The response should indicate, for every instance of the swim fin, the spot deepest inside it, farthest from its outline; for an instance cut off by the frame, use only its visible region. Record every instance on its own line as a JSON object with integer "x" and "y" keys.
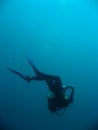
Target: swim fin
{"x": 37, "y": 72}
{"x": 26, "y": 78}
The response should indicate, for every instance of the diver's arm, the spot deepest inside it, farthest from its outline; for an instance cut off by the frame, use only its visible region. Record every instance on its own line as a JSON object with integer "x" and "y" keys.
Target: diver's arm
{"x": 70, "y": 98}
{"x": 71, "y": 95}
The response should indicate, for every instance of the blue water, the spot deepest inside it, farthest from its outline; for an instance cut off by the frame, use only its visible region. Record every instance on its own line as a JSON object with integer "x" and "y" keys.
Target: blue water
{"x": 61, "y": 38}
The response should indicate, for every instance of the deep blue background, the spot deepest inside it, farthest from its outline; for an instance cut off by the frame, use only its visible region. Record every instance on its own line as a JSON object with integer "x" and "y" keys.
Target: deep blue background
{"x": 61, "y": 38}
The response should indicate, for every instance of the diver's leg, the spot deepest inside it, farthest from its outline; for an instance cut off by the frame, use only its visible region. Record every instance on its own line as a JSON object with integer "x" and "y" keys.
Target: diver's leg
{"x": 50, "y": 79}
{"x": 43, "y": 76}
{"x": 38, "y": 73}
{"x": 54, "y": 82}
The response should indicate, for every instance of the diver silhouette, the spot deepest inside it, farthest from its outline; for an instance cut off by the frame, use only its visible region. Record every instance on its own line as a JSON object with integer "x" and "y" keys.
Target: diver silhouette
{"x": 57, "y": 97}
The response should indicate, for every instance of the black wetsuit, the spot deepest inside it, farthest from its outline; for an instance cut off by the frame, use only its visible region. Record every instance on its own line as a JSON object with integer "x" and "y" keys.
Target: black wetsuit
{"x": 55, "y": 85}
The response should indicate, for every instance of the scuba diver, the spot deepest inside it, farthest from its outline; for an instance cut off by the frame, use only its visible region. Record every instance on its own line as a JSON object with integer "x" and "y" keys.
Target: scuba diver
{"x": 57, "y": 97}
